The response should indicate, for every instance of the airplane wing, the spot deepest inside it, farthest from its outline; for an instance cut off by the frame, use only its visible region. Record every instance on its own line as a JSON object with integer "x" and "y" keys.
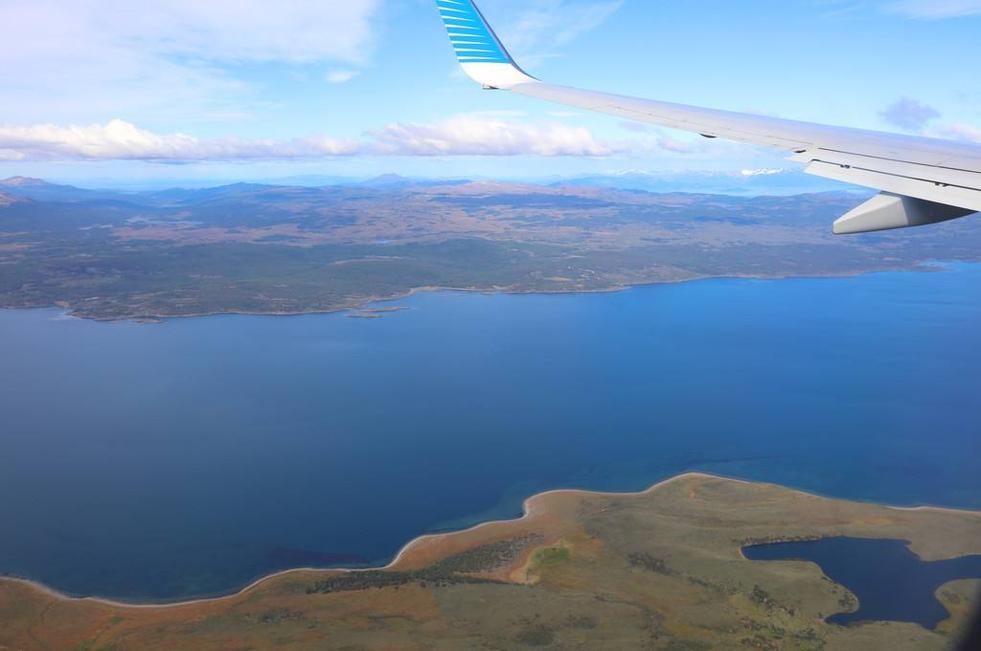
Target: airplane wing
{"x": 922, "y": 180}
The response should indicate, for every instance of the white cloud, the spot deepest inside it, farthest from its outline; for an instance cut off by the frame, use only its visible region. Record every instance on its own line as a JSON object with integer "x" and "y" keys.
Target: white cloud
{"x": 558, "y": 22}
{"x": 119, "y": 140}
{"x": 485, "y": 136}
{"x": 909, "y": 114}
{"x": 539, "y": 27}
{"x": 341, "y": 76}
{"x": 464, "y": 135}
{"x": 960, "y": 132}
{"x": 83, "y": 59}
{"x": 489, "y": 133}
{"x": 936, "y": 9}
{"x": 674, "y": 145}
{"x": 224, "y": 30}
{"x": 763, "y": 171}
{"x": 636, "y": 127}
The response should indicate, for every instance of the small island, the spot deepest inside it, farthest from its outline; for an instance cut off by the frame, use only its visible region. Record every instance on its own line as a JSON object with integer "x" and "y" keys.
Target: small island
{"x": 661, "y": 569}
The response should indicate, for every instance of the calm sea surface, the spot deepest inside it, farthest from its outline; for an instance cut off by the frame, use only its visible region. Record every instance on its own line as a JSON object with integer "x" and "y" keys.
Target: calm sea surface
{"x": 188, "y": 458}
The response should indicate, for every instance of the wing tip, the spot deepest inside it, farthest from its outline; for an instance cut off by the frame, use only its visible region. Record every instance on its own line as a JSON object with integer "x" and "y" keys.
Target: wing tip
{"x": 478, "y": 49}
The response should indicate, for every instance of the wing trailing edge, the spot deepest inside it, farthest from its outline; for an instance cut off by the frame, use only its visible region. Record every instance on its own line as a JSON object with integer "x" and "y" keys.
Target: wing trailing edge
{"x": 923, "y": 180}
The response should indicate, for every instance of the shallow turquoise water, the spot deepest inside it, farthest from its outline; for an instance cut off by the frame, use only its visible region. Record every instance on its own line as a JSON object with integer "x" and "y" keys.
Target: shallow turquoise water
{"x": 187, "y": 458}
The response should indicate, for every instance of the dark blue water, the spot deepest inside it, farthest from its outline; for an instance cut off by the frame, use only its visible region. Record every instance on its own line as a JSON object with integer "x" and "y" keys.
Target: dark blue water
{"x": 187, "y": 458}
{"x": 890, "y": 581}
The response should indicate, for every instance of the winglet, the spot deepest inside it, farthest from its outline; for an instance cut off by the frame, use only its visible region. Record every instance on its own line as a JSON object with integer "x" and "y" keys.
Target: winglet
{"x": 481, "y": 54}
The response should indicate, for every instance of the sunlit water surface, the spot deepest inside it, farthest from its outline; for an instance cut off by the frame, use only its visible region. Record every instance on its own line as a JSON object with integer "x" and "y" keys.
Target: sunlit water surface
{"x": 190, "y": 457}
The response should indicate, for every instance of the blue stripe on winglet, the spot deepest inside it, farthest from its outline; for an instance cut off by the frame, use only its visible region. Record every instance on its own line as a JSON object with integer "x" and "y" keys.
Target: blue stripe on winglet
{"x": 471, "y": 36}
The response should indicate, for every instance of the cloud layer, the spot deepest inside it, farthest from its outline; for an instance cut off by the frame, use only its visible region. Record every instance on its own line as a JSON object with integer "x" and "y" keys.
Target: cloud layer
{"x": 476, "y": 134}
{"x": 463, "y": 135}
{"x": 483, "y": 136}
{"x": 222, "y": 30}
{"x": 549, "y": 23}
{"x": 537, "y": 29}
{"x": 86, "y": 59}
{"x": 119, "y": 140}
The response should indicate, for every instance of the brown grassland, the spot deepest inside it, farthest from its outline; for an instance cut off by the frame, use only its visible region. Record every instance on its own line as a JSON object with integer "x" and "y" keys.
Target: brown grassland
{"x": 662, "y": 569}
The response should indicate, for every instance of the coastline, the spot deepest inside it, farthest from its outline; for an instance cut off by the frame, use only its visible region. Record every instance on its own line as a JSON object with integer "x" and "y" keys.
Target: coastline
{"x": 532, "y": 509}
{"x": 929, "y": 266}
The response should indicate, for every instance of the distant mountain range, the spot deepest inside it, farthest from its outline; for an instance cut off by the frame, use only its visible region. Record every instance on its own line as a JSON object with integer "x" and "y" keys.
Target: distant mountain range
{"x": 743, "y": 184}
{"x": 773, "y": 182}
{"x": 39, "y": 190}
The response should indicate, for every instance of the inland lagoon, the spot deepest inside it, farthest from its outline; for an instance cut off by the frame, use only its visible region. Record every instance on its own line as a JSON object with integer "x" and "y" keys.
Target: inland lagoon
{"x": 890, "y": 581}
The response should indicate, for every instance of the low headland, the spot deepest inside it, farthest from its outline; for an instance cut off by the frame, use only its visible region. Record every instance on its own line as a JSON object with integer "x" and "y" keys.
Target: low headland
{"x": 660, "y": 569}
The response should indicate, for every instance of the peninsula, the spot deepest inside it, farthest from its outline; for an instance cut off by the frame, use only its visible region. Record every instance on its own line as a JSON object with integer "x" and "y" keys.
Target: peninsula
{"x": 662, "y": 569}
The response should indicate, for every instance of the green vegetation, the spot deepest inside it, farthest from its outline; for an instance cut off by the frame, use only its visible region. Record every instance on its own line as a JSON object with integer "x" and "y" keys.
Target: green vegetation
{"x": 582, "y": 621}
{"x": 550, "y": 557}
{"x": 647, "y": 562}
{"x": 378, "y": 579}
{"x": 762, "y": 598}
{"x": 485, "y": 558}
{"x": 687, "y": 645}
{"x": 536, "y": 635}
{"x": 452, "y": 570}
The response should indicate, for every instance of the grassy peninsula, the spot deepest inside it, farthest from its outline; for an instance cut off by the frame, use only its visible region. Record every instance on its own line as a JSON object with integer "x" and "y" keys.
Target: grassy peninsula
{"x": 662, "y": 569}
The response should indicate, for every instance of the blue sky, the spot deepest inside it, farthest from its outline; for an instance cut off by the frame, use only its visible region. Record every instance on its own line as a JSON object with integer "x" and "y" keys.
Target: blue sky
{"x": 248, "y": 89}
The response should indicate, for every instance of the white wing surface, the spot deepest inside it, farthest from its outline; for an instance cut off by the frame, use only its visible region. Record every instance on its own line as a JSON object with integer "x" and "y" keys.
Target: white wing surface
{"x": 922, "y": 180}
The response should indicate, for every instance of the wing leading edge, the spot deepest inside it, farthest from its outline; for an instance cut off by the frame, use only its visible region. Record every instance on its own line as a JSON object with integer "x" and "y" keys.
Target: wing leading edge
{"x": 922, "y": 180}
